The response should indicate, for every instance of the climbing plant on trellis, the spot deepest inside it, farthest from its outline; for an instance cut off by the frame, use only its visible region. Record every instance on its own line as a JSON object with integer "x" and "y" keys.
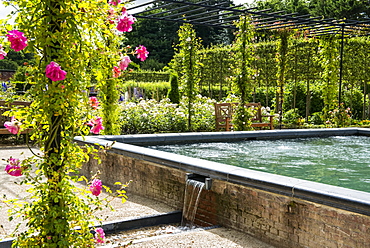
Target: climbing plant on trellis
{"x": 282, "y": 64}
{"x": 305, "y": 65}
{"x": 243, "y": 54}
{"x": 68, "y": 38}
{"x": 330, "y": 64}
{"x": 188, "y": 66}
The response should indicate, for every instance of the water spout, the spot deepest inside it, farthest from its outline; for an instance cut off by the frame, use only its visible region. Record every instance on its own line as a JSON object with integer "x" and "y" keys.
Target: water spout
{"x": 208, "y": 183}
{"x": 193, "y": 190}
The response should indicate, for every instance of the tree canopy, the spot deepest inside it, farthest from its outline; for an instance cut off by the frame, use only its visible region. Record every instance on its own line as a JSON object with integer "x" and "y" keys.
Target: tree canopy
{"x": 337, "y": 9}
{"x": 160, "y": 36}
{"x": 15, "y": 59}
{"x": 289, "y": 6}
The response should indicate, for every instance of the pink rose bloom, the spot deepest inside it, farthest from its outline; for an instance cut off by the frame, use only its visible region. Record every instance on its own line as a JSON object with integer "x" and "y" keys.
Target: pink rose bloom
{"x": 99, "y": 235}
{"x": 97, "y": 125}
{"x": 2, "y": 53}
{"x": 116, "y": 71}
{"x": 96, "y": 187}
{"x": 141, "y": 52}
{"x": 13, "y": 168}
{"x": 13, "y": 125}
{"x": 93, "y": 101}
{"x": 54, "y": 72}
{"x": 111, "y": 12}
{"x": 125, "y": 61}
{"x": 17, "y": 40}
{"x": 125, "y": 22}
{"x": 115, "y": 2}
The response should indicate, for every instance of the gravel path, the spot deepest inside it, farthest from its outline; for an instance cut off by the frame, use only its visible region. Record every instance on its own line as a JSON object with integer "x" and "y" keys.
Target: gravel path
{"x": 218, "y": 238}
{"x": 134, "y": 207}
{"x": 176, "y": 237}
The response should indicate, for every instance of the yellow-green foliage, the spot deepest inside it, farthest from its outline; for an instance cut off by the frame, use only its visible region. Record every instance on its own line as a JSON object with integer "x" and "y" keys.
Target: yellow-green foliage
{"x": 77, "y": 36}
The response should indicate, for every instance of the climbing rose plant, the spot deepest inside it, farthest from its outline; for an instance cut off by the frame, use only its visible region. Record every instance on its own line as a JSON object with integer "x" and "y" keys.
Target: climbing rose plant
{"x": 54, "y": 72}
{"x": 17, "y": 40}
{"x": 125, "y": 22}
{"x": 125, "y": 61}
{"x": 14, "y": 168}
{"x": 99, "y": 235}
{"x": 2, "y": 53}
{"x": 96, "y": 187}
{"x": 74, "y": 42}
{"x": 141, "y": 52}
{"x": 96, "y": 125}
{"x": 13, "y": 126}
{"x": 115, "y": 2}
{"x": 94, "y": 102}
{"x": 108, "y": 83}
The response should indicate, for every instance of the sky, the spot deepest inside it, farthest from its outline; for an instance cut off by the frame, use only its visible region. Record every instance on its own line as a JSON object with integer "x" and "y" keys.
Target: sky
{"x": 6, "y": 10}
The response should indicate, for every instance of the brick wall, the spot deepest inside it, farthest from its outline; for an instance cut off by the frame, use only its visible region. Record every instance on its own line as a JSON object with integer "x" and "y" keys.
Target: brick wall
{"x": 6, "y": 75}
{"x": 150, "y": 180}
{"x": 287, "y": 222}
{"x": 276, "y": 219}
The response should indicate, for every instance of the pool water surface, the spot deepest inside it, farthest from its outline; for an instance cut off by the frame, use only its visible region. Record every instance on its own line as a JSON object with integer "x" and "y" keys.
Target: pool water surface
{"x": 338, "y": 160}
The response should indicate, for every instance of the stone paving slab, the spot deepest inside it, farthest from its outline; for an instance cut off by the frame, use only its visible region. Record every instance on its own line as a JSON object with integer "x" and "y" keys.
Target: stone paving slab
{"x": 134, "y": 207}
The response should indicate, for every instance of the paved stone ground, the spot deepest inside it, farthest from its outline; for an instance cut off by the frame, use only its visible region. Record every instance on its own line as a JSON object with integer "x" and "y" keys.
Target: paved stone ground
{"x": 9, "y": 186}
{"x": 133, "y": 208}
{"x": 217, "y": 238}
{"x": 172, "y": 236}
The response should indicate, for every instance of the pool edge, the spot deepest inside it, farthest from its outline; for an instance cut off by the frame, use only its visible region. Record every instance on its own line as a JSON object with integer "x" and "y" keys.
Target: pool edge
{"x": 338, "y": 197}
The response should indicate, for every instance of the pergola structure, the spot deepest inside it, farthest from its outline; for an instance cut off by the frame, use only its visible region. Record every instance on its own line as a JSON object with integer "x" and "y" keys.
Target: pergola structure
{"x": 222, "y": 15}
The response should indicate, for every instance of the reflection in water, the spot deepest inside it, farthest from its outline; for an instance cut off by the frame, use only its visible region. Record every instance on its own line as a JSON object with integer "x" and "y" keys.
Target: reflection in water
{"x": 340, "y": 160}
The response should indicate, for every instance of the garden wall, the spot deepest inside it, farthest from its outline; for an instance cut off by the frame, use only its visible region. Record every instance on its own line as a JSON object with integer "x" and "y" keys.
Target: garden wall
{"x": 279, "y": 219}
{"x": 148, "y": 179}
{"x": 5, "y": 75}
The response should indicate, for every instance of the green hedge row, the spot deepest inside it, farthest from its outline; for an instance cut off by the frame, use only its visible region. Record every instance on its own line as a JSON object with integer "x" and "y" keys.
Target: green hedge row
{"x": 147, "y": 76}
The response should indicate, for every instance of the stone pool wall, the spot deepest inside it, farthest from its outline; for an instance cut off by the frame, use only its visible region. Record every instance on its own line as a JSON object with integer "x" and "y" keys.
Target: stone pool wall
{"x": 147, "y": 179}
{"x": 288, "y": 222}
{"x": 278, "y": 219}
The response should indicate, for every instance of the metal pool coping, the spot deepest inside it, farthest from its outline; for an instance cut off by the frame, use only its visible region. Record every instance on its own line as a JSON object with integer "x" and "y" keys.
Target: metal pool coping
{"x": 346, "y": 199}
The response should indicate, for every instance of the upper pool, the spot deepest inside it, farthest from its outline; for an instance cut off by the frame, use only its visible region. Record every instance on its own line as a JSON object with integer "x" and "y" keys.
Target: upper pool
{"x": 338, "y": 160}
{"x": 357, "y": 200}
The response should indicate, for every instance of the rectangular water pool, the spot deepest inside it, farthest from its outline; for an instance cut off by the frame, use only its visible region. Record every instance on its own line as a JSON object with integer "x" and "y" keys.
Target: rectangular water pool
{"x": 336, "y": 160}
{"x": 281, "y": 210}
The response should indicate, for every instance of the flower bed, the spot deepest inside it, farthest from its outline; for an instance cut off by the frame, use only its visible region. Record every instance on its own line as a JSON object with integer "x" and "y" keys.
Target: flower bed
{"x": 150, "y": 116}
